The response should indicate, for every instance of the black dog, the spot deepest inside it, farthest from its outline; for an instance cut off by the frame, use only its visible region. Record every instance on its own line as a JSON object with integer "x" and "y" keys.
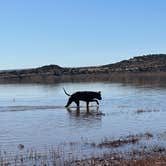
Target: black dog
{"x": 87, "y": 96}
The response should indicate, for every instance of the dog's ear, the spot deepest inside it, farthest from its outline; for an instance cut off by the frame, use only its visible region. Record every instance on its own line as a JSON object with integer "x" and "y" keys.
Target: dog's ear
{"x": 99, "y": 92}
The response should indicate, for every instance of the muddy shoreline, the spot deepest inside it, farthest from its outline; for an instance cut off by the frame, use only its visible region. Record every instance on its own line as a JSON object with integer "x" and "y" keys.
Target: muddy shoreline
{"x": 153, "y": 160}
{"x": 70, "y": 155}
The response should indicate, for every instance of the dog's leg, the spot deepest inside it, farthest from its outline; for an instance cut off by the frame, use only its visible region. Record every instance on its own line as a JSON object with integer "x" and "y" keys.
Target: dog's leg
{"x": 69, "y": 102}
{"x": 68, "y": 109}
{"x": 78, "y": 111}
{"x": 78, "y": 103}
{"x": 87, "y": 106}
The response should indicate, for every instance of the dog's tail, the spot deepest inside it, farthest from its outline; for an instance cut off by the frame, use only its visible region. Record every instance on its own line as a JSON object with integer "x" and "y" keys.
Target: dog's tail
{"x": 66, "y": 92}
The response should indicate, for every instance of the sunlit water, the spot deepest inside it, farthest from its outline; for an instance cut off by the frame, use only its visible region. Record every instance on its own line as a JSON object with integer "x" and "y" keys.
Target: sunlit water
{"x": 35, "y": 116}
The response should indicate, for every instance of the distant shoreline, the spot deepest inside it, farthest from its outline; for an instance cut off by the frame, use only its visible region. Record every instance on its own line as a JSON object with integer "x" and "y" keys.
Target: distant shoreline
{"x": 149, "y": 67}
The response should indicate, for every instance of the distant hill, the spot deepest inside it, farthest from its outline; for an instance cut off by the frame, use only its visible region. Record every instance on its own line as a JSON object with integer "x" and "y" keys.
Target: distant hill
{"x": 154, "y": 62}
{"x": 147, "y": 64}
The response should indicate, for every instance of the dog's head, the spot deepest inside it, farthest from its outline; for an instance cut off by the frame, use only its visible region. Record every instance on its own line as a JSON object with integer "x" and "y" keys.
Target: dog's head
{"x": 99, "y": 95}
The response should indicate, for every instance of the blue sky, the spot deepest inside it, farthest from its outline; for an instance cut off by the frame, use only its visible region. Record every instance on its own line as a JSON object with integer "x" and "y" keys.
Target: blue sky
{"x": 79, "y": 32}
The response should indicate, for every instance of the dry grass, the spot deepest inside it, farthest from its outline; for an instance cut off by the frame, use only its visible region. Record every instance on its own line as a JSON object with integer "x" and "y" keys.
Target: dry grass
{"x": 130, "y": 139}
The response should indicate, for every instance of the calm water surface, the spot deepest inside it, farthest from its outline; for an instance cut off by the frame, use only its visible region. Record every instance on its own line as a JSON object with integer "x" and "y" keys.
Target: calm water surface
{"x": 34, "y": 115}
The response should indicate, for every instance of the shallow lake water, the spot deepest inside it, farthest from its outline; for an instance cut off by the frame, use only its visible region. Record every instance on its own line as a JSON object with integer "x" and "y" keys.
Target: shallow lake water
{"x": 34, "y": 115}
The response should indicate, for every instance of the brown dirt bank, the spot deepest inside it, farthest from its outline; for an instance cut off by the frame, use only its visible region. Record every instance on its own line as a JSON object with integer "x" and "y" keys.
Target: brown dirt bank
{"x": 154, "y": 160}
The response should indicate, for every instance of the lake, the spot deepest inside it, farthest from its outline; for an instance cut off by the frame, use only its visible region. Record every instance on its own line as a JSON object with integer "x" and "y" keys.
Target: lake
{"x": 34, "y": 115}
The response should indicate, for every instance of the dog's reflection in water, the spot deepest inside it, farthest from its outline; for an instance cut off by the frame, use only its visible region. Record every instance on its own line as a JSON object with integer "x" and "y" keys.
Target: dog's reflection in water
{"x": 84, "y": 111}
{"x": 83, "y": 118}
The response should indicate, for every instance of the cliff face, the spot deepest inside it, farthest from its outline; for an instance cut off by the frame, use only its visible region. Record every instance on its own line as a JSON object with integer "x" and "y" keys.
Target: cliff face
{"x": 55, "y": 73}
